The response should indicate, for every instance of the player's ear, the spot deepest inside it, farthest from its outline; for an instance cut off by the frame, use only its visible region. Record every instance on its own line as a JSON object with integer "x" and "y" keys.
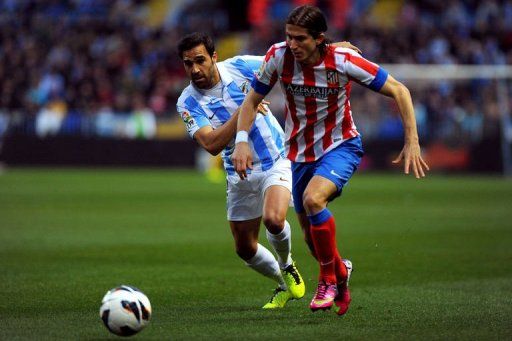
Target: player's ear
{"x": 320, "y": 39}
{"x": 214, "y": 56}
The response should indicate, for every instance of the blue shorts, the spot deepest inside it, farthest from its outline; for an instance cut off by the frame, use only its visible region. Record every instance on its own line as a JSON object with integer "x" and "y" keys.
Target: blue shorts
{"x": 338, "y": 165}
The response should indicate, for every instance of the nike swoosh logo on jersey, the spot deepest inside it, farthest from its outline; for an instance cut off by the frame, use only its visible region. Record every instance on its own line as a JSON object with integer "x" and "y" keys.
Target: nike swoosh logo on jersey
{"x": 283, "y": 179}
{"x": 336, "y": 174}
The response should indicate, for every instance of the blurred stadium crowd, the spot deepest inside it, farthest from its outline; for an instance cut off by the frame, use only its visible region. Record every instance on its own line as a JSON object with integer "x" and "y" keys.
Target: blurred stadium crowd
{"x": 109, "y": 68}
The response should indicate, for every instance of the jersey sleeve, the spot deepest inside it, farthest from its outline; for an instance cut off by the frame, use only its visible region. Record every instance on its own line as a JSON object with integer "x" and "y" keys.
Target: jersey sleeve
{"x": 192, "y": 115}
{"x": 267, "y": 74}
{"x": 253, "y": 63}
{"x": 247, "y": 66}
{"x": 362, "y": 70}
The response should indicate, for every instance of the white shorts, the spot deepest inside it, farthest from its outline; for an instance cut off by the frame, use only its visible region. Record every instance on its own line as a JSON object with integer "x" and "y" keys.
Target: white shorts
{"x": 245, "y": 197}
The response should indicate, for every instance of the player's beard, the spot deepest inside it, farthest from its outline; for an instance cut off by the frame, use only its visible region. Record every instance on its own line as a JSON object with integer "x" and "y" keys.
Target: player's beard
{"x": 207, "y": 80}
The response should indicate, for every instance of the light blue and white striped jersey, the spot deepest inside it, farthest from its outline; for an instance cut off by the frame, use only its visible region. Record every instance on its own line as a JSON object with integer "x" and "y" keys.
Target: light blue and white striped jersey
{"x": 266, "y": 138}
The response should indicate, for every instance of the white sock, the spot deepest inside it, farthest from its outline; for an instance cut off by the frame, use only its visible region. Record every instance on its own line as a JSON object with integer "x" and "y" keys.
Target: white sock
{"x": 265, "y": 263}
{"x": 282, "y": 244}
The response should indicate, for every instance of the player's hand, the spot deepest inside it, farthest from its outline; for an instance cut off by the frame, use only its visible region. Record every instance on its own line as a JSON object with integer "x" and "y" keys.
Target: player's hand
{"x": 242, "y": 159}
{"x": 411, "y": 154}
{"x": 263, "y": 108}
{"x": 348, "y": 45}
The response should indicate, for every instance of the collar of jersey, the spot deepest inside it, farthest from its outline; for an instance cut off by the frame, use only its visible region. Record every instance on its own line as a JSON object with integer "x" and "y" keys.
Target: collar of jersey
{"x": 224, "y": 74}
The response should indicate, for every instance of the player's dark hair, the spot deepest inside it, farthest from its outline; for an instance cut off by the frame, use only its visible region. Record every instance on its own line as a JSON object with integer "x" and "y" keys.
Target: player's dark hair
{"x": 195, "y": 39}
{"x": 312, "y": 19}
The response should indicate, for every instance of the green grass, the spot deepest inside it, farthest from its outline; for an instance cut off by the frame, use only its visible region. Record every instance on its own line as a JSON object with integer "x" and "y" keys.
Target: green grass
{"x": 433, "y": 258}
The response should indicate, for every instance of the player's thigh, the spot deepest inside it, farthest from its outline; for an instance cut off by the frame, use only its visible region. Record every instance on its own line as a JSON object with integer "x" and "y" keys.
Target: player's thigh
{"x": 301, "y": 175}
{"x": 275, "y": 206}
{"x": 339, "y": 165}
{"x": 277, "y": 187}
{"x": 319, "y": 191}
{"x": 277, "y": 199}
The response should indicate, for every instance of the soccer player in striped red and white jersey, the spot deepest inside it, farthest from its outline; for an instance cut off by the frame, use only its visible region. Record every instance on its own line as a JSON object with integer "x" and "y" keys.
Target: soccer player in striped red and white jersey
{"x": 321, "y": 138}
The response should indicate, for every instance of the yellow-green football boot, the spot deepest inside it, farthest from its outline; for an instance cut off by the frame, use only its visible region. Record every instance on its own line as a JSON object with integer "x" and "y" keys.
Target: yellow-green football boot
{"x": 278, "y": 299}
{"x": 294, "y": 281}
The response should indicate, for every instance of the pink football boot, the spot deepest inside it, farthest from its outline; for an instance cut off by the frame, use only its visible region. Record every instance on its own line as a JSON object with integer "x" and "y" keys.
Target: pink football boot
{"x": 324, "y": 296}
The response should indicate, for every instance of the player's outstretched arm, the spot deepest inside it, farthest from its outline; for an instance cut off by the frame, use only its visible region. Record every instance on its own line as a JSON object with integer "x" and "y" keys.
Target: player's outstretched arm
{"x": 411, "y": 152}
{"x": 242, "y": 157}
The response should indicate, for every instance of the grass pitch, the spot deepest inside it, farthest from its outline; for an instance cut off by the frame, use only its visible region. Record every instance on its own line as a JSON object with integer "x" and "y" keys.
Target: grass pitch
{"x": 432, "y": 258}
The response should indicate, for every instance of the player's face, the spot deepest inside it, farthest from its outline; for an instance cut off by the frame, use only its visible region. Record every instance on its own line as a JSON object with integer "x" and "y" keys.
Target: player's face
{"x": 304, "y": 47}
{"x": 200, "y": 67}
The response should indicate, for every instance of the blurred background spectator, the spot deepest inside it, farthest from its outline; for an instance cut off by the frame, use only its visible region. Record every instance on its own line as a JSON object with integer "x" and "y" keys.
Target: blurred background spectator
{"x": 108, "y": 68}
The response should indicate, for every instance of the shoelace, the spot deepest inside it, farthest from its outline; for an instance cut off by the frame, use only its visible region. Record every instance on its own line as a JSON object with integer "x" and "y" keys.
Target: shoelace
{"x": 276, "y": 292}
{"x": 321, "y": 290}
{"x": 293, "y": 271}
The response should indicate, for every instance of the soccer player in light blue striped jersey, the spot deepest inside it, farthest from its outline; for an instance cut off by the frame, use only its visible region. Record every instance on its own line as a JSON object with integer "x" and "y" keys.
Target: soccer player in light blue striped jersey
{"x": 209, "y": 108}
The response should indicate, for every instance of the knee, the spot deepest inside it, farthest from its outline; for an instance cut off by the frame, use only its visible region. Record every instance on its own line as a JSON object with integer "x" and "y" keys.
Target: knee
{"x": 274, "y": 222}
{"x": 313, "y": 201}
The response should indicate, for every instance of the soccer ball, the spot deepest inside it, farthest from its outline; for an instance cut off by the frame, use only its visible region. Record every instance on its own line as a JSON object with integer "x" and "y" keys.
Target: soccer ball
{"x": 125, "y": 310}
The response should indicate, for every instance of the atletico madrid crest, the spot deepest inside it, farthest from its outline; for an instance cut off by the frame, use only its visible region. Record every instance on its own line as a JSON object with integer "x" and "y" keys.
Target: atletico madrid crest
{"x": 332, "y": 77}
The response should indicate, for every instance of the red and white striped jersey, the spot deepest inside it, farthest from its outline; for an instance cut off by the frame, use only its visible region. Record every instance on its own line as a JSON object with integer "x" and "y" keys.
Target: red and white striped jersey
{"x": 318, "y": 115}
